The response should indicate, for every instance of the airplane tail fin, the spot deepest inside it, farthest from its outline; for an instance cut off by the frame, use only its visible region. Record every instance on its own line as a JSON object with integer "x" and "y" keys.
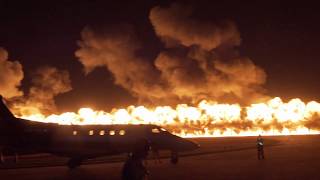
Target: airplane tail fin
{"x": 10, "y": 128}
{"x": 5, "y": 113}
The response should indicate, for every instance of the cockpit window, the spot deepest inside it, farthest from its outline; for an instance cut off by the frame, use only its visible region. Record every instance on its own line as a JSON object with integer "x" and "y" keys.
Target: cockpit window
{"x": 155, "y": 130}
{"x": 163, "y": 129}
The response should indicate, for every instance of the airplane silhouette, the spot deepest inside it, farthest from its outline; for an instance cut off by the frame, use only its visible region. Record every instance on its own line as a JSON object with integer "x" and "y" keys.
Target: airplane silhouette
{"x": 81, "y": 142}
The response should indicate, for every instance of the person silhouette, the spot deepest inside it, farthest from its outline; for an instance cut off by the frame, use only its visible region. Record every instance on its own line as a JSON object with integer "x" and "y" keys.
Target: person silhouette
{"x": 260, "y": 144}
{"x": 134, "y": 168}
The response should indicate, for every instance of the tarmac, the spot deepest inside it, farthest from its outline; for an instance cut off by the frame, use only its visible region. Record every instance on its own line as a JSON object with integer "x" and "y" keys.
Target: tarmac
{"x": 287, "y": 157}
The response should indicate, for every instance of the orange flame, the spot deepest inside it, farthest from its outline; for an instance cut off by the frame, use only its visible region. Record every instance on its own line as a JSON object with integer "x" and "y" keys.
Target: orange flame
{"x": 208, "y": 119}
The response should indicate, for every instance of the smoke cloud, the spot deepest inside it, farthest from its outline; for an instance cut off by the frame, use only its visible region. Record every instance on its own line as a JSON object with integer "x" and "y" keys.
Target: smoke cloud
{"x": 11, "y": 74}
{"x": 47, "y": 82}
{"x": 199, "y": 60}
{"x": 116, "y": 50}
{"x": 175, "y": 26}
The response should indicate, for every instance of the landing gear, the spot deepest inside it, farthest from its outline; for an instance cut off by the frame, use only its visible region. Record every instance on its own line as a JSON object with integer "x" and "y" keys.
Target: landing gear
{"x": 174, "y": 157}
{"x": 16, "y": 158}
{"x": 1, "y": 158}
{"x": 9, "y": 152}
{"x": 74, "y": 162}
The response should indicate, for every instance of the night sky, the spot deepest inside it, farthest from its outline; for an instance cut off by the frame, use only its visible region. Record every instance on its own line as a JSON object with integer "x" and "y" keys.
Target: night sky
{"x": 280, "y": 37}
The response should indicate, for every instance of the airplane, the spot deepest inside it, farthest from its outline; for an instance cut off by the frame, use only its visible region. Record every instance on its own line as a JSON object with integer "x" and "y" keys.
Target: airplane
{"x": 81, "y": 142}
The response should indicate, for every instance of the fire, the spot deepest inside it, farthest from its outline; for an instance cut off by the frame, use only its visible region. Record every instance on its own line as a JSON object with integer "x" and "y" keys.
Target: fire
{"x": 207, "y": 119}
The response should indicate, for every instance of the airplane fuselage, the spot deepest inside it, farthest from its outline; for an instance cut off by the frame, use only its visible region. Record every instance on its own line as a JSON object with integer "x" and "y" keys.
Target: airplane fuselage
{"x": 79, "y": 142}
{"x": 90, "y": 141}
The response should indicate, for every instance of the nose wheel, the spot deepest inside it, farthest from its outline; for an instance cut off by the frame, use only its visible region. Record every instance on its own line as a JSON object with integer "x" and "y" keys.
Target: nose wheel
{"x": 74, "y": 162}
{"x": 16, "y": 157}
{"x": 8, "y": 152}
{"x": 1, "y": 158}
{"x": 174, "y": 157}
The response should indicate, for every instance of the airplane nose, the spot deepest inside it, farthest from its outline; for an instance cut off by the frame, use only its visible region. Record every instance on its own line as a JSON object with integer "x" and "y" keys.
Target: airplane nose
{"x": 189, "y": 145}
{"x": 194, "y": 146}
{"x": 176, "y": 143}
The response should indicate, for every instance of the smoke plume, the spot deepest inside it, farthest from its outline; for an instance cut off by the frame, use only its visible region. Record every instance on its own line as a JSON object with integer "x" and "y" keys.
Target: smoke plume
{"x": 47, "y": 82}
{"x": 11, "y": 74}
{"x": 116, "y": 50}
{"x": 199, "y": 60}
{"x": 175, "y": 26}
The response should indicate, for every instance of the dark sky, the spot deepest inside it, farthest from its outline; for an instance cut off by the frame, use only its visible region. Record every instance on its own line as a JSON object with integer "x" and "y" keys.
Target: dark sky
{"x": 281, "y": 37}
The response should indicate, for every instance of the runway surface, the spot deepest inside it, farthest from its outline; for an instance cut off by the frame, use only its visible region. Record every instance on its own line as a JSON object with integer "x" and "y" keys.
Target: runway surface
{"x": 287, "y": 157}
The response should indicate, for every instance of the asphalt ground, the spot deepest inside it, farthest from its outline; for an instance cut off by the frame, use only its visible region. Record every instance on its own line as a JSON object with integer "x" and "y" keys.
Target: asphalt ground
{"x": 287, "y": 157}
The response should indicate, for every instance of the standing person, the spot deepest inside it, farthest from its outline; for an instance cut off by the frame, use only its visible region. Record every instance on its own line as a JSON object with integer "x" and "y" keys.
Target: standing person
{"x": 260, "y": 145}
{"x": 134, "y": 168}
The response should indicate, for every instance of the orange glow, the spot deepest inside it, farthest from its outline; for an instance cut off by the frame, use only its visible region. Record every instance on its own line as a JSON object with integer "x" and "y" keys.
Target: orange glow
{"x": 207, "y": 119}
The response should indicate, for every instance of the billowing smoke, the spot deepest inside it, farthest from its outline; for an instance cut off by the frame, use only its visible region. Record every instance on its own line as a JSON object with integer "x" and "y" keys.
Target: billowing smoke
{"x": 11, "y": 74}
{"x": 116, "y": 50}
{"x": 175, "y": 26}
{"x": 47, "y": 82}
{"x": 199, "y": 60}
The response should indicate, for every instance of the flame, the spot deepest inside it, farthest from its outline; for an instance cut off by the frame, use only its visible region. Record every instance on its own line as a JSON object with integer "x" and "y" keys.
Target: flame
{"x": 207, "y": 119}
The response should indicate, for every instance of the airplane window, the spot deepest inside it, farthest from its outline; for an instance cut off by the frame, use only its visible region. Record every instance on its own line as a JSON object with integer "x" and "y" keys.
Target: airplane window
{"x": 162, "y": 129}
{"x": 112, "y": 132}
{"x": 122, "y": 132}
{"x": 91, "y": 132}
{"x": 102, "y": 133}
{"x": 155, "y": 130}
{"x": 74, "y": 133}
